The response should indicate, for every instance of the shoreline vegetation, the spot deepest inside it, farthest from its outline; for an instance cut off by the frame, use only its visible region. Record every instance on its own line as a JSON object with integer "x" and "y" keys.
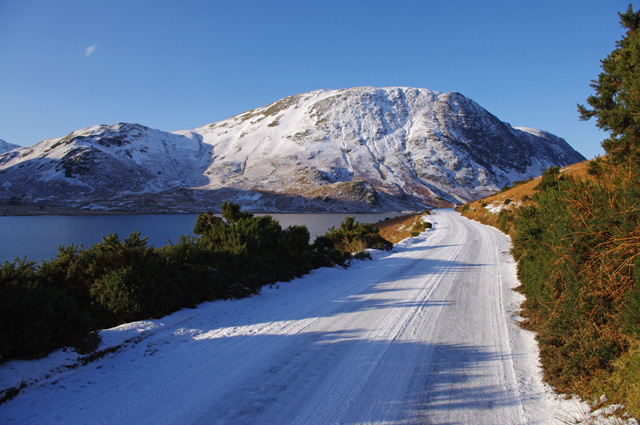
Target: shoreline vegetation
{"x": 63, "y": 301}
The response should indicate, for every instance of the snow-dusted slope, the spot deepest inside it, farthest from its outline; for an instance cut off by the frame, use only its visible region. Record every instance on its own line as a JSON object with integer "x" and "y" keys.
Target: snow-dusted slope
{"x": 103, "y": 162}
{"x": 5, "y": 146}
{"x": 362, "y": 148}
{"x": 399, "y": 141}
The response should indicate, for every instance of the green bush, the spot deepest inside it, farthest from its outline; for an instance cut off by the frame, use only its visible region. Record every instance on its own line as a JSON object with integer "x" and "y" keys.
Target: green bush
{"x": 254, "y": 251}
{"x": 505, "y": 220}
{"x": 81, "y": 290}
{"x": 351, "y": 237}
{"x": 299, "y": 253}
{"x": 326, "y": 254}
{"x": 68, "y": 272}
{"x": 231, "y": 212}
{"x": 129, "y": 281}
{"x": 576, "y": 249}
{"x": 419, "y": 227}
{"x": 35, "y": 318}
{"x": 194, "y": 271}
{"x": 550, "y": 179}
{"x": 630, "y": 314}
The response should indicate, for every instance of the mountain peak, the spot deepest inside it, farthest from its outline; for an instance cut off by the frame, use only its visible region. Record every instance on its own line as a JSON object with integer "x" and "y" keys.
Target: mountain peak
{"x": 413, "y": 142}
{"x": 362, "y": 148}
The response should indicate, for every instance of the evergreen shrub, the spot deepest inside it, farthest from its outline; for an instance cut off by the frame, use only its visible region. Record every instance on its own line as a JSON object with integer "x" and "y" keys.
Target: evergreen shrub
{"x": 194, "y": 271}
{"x": 578, "y": 246}
{"x": 419, "y": 227}
{"x": 352, "y": 237}
{"x": 116, "y": 281}
{"x": 253, "y": 251}
{"x": 35, "y": 318}
{"x": 129, "y": 282}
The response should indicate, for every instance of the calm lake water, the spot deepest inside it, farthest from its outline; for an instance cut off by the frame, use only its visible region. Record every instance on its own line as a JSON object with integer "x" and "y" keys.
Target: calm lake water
{"x": 38, "y": 237}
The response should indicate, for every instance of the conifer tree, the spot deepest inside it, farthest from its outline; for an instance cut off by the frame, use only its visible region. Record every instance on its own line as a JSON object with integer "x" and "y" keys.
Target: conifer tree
{"x": 616, "y": 102}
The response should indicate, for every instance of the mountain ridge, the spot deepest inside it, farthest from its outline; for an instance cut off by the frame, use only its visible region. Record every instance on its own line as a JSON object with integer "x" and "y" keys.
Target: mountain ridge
{"x": 6, "y": 146}
{"x": 363, "y": 149}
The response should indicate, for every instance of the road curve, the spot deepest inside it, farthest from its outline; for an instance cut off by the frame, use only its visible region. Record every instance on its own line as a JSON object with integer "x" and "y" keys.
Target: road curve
{"x": 423, "y": 335}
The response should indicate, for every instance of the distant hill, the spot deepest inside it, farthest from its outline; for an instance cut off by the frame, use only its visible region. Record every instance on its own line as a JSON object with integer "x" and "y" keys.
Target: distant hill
{"x": 5, "y": 146}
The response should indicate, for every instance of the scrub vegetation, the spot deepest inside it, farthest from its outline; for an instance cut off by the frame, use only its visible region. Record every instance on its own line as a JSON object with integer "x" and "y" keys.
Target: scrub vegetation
{"x": 63, "y": 301}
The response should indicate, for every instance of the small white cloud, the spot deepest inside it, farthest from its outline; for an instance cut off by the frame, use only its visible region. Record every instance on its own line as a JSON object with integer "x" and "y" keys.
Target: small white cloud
{"x": 89, "y": 50}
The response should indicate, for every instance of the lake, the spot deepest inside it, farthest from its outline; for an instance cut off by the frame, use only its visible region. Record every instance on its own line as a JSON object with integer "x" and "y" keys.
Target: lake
{"x": 38, "y": 237}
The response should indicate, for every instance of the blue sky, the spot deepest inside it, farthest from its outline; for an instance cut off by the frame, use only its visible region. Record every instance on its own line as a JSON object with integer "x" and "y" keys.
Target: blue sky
{"x": 177, "y": 65}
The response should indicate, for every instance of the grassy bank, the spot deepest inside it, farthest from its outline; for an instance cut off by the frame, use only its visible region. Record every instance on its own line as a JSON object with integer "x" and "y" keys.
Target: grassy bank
{"x": 399, "y": 228}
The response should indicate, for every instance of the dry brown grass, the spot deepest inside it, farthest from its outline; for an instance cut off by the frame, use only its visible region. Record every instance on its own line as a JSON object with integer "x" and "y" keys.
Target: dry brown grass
{"x": 517, "y": 192}
{"x": 399, "y": 228}
{"x": 477, "y": 211}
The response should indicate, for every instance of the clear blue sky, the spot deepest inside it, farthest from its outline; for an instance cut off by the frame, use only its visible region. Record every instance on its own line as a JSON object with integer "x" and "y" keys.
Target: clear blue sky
{"x": 171, "y": 65}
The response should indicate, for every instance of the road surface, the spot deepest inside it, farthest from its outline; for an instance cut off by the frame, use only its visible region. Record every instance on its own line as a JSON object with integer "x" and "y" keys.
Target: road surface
{"x": 426, "y": 334}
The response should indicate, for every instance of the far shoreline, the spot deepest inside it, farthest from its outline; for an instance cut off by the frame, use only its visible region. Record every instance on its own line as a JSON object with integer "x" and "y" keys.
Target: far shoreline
{"x": 32, "y": 211}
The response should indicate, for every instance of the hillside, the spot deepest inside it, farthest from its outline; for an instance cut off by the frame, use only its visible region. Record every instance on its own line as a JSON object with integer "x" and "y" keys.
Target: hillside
{"x": 487, "y": 210}
{"x": 360, "y": 149}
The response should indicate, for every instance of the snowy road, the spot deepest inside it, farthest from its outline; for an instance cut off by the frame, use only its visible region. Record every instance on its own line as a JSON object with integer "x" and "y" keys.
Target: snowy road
{"x": 423, "y": 335}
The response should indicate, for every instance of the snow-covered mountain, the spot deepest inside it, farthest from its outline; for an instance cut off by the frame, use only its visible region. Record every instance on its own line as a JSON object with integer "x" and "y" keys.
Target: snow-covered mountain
{"x": 5, "y": 146}
{"x": 357, "y": 149}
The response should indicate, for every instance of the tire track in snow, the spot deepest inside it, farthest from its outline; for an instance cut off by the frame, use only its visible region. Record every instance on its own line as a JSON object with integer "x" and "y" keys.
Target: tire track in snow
{"x": 228, "y": 357}
{"x": 349, "y": 380}
{"x": 346, "y": 376}
{"x": 469, "y": 378}
{"x": 502, "y": 319}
